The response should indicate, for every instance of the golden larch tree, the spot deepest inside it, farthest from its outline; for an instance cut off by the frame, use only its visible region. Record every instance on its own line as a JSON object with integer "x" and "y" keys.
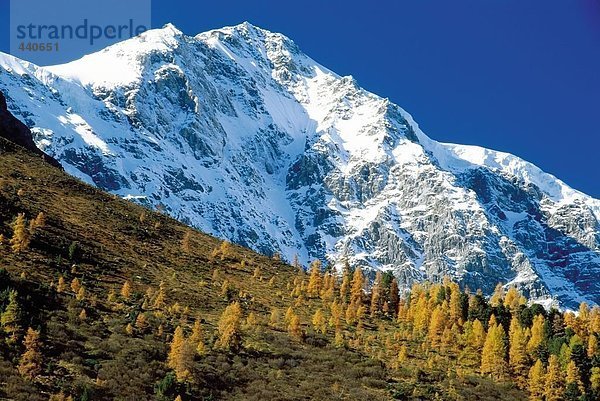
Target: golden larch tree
{"x": 126, "y": 290}
{"x": 451, "y": 338}
{"x": 592, "y": 346}
{"x": 456, "y": 307}
{"x": 197, "y": 335}
{"x": 181, "y": 355}
{"x": 80, "y": 294}
{"x": 30, "y": 364}
{"x": 185, "y": 362}
{"x": 141, "y": 322}
{"x": 437, "y": 324}
{"x": 573, "y": 377}
{"x": 513, "y": 300}
{"x": 225, "y": 250}
{"x": 314, "y": 281}
{"x": 554, "y": 385}
{"x": 376, "y": 291}
{"x": 319, "y": 322}
{"x": 402, "y": 354}
{"x": 345, "y": 286}
{"x": 21, "y": 236}
{"x": 38, "y": 222}
{"x": 350, "y": 314}
{"x": 289, "y": 313}
{"x": 337, "y": 313}
{"x": 294, "y": 328}
{"x": 328, "y": 290}
{"x": 358, "y": 284}
{"x": 595, "y": 320}
{"x": 538, "y": 336}
{"x": 230, "y": 336}
{"x": 493, "y": 356}
{"x": 479, "y": 335}
{"x": 61, "y": 286}
{"x": 175, "y": 348}
{"x": 517, "y": 353}
{"x": 75, "y": 285}
{"x": 537, "y": 381}
{"x": 421, "y": 315}
{"x": 570, "y": 320}
{"x": 402, "y": 312}
{"x": 582, "y": 321}
{"x": 361, "y": 311}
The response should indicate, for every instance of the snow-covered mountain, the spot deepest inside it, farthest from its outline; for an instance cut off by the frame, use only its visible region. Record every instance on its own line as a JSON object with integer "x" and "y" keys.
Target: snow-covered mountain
{"x": 237, "y": 132}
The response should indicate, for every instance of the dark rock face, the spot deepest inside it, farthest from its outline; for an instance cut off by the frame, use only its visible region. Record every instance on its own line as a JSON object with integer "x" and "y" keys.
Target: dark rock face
{"x": 15, "y": 131}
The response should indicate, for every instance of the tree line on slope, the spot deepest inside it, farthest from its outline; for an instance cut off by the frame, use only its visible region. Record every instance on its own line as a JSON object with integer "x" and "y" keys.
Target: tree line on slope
{"x": 552, "y": 355}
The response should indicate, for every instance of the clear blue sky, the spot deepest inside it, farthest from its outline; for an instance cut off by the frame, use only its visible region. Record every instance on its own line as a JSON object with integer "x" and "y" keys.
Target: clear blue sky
{"x": 522, "y": 76}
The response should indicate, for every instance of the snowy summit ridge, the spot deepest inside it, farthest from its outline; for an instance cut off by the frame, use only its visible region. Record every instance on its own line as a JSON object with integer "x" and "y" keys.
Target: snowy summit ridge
{"x": 237, "y": 132}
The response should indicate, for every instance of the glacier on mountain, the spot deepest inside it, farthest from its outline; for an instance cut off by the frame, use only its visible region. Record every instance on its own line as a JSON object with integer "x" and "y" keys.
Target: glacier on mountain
{"x": 237, "y": 132}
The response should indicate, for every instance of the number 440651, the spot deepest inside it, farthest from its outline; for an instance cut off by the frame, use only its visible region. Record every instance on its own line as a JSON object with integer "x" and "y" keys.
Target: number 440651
{"x": 38, "y": 47}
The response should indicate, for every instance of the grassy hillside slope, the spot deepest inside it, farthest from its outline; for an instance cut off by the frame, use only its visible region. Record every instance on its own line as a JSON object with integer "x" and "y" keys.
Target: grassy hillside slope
{"x": 94, "y": 346}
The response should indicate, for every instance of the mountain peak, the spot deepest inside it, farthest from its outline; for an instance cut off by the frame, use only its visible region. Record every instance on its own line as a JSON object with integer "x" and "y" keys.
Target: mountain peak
{"x": 169, "y": 27}
{"x": 244, "y": 28}
{"x": 248, "y": 27}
